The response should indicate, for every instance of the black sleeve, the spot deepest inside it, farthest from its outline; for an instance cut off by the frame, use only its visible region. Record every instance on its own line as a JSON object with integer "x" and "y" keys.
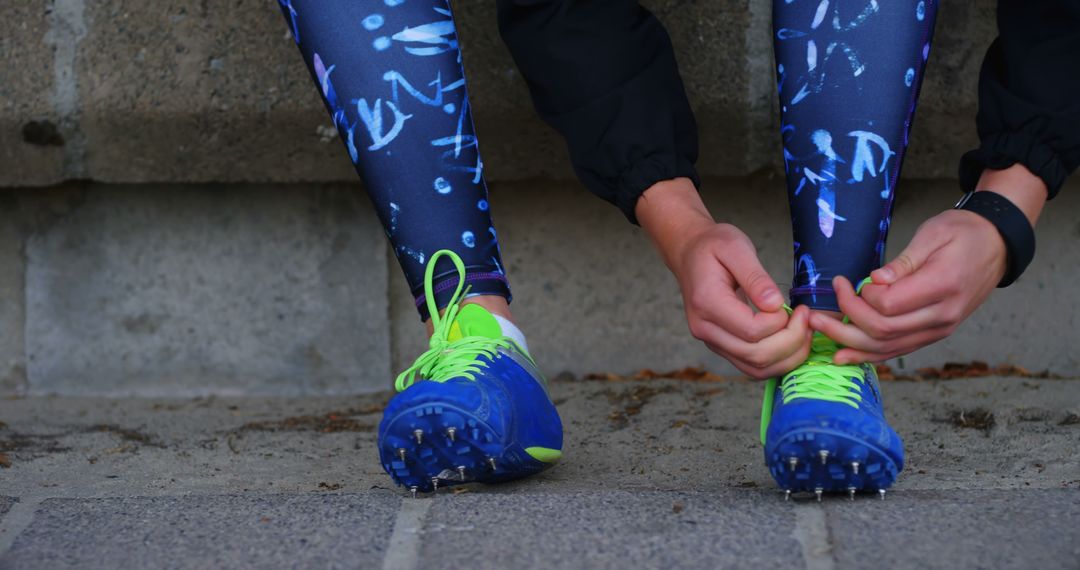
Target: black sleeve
{"x": 1029, "y": 93}
{"x": 603, "y": 74}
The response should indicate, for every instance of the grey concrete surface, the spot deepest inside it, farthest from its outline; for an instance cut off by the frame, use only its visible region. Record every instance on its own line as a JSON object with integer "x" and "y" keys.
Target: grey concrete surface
{"x": 266, "y": 291}
{"x": 141, "y": 91}
{"x": 657, "y": 473}
{"x": 290, "y": 290}
{"x": 958, "y": 534}
{"x": 611, "y": 529}
{"x": 307, "y": 530}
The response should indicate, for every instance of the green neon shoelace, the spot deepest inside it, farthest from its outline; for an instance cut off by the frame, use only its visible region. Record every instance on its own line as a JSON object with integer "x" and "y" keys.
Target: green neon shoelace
{"x": 446, "y": 359}
{"x": 818, "y": 378}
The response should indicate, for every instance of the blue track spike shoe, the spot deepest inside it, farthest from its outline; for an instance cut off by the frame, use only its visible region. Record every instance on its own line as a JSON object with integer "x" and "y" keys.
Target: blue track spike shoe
{"x": 473, "y": 407}
{"x": 824, "y": 429}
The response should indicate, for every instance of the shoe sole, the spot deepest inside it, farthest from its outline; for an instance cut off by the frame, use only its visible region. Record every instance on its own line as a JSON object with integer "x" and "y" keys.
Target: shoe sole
{"x": 850, "y": 464}
{"x": 476, "y": 453}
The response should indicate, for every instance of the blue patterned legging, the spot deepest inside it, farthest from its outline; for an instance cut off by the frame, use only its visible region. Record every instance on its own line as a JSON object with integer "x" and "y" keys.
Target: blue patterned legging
{"x": 849, "y": 73}
{"x": 390, "y": 74}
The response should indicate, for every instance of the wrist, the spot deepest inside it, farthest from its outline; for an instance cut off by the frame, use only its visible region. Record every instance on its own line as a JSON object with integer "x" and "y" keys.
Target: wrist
{"x": 671, "y": 212}
{"x": 1018, "y": 185}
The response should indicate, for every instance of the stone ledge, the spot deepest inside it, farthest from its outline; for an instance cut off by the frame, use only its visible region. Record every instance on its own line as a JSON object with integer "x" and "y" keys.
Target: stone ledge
{"x": 171, "y": 91}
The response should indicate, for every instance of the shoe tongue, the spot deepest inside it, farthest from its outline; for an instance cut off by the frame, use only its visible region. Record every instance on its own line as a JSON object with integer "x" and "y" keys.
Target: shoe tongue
{"x": 474, "y": 320}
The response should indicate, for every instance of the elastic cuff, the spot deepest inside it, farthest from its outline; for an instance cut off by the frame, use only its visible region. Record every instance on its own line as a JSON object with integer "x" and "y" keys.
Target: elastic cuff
{"x": 643, "y": 174}
{"x": 817, "y": 298}
{"x": 1002, "y": 150}
{"x": 478, "y": 282}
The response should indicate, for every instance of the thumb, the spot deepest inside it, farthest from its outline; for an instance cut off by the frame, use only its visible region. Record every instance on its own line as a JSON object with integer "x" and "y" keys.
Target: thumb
{"x": 910, "y": 259}
{"x": 753, "y": 280}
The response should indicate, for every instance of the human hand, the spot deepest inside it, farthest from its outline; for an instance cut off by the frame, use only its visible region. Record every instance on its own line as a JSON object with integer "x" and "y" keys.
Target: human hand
{"x": 951, "y": 266}
{"x": 717, "y": 263}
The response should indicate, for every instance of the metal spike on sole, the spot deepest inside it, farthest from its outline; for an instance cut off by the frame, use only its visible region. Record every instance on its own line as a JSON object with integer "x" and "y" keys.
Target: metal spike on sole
{"x": 818, "y": 492}
{"x": 492, "y": 463}
{"x": 461, "y": 472}
{"x": 419, "y": 435}
{"x": 881, "y": 493}
{"x": 787, "y": 495}
{"x": 451, "y": 433}
{"x": 824, "y": 453}
{"x": 414, "y": 489}
{"x": 855, "y": 467}
{"x": 793, "y": 463}
{"x": 434, "y": 484}
{"x": 401, "y": 453}
{"x": 851, "y": 493}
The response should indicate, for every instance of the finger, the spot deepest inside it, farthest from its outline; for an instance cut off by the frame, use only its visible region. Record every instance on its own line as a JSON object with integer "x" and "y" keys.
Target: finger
{"x": 766, "y": 352}
{"x": 748, "y": 272}
{"x": 879, "y": 326}
{"x": 847, "y": 334}
{"x": 930, "y": 285}
{"x": 736, "y": 317}
{"x": 788, "y": 364}
{"x": 910, "y": 259}
{"x": 896, "y": 348}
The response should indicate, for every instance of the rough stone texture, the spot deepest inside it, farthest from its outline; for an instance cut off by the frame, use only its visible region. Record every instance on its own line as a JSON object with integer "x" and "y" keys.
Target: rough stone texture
{"x": 591, "y": 295}
{"x": 27, "y": 94}
{"x": 630, "y": 435}
{"x": 967, "y": 529}
{"x": 6, "y": 504}
{"x": 210, "y": 91}
{"x": 215, "y": 91}
{"x": 328, "y": 531}
{"x": 265, "y": 290}
{"x": 616, "y": 529}
{"x": 658, "y": 473}
{"x": 12, "y": 308}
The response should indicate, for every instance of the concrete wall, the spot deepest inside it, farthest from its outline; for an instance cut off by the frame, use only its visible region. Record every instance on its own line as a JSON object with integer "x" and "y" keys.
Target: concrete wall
{"x": 177, "y": 220}
{"x": 139, "y": 91}
{"x": 289, "y": 289}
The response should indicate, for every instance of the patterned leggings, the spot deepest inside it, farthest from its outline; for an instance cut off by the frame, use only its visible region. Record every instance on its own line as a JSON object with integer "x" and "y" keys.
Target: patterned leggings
{"x": 390, "y": 73}
{"x": 391, "y": 77}
{"x": 849, "y": 73}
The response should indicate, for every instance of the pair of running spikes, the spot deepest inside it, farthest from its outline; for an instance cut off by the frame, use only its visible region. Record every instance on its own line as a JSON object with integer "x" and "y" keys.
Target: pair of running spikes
{"x": 475, "y": 408}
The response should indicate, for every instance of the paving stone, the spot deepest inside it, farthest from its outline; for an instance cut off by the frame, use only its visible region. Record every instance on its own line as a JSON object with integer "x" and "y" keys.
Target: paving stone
{"x": 230, "y": 531}
{"x": 6, "y": 503}
{"x": 959, "y": 529}
{"x": 613, "y": 529}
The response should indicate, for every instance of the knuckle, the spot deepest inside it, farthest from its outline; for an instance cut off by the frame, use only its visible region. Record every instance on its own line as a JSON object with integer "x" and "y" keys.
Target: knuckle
{"x": 889, "y": 306}
{"x": 753, "y": 332}
{"x": 904, "y": 263}
{"x": 698, "y": 329}
{"x": 885, "y": 329}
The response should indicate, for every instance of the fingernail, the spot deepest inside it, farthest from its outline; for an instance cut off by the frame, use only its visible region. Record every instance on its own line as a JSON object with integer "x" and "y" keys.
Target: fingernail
{"x": 769, "y": 295}
{"x": 887, "y": 273}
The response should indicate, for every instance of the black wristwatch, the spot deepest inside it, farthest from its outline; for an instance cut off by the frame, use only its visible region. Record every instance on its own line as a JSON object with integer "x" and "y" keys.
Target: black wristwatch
{"x": 1011, "y": 223}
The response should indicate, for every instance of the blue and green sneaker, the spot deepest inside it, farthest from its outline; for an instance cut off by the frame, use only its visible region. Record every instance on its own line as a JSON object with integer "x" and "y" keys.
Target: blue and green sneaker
{"x": 473, "y": 407}
{"x": 824, "y": 429}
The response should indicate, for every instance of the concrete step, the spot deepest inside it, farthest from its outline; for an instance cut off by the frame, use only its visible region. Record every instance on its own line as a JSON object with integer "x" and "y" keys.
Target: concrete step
{"x": 182, "y": 290}
{"x": 169, "y": 91}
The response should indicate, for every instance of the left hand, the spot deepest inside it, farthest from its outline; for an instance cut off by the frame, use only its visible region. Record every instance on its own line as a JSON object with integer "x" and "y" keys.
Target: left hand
{"x": 951, "y": 266}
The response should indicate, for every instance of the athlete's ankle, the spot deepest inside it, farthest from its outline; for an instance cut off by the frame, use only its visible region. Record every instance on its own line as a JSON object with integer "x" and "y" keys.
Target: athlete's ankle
{"x": 494, "y": 304}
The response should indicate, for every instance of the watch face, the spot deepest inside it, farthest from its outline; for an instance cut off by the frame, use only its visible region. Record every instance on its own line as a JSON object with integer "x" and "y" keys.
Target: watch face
{"x": 964, "y": 200}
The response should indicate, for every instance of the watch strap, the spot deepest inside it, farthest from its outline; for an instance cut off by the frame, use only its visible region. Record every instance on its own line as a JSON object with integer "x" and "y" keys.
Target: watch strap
{"x": 1011, "y": 223}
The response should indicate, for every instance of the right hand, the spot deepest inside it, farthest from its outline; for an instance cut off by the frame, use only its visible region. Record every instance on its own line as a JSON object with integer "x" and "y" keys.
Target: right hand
{"x": 713, "y": 265}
